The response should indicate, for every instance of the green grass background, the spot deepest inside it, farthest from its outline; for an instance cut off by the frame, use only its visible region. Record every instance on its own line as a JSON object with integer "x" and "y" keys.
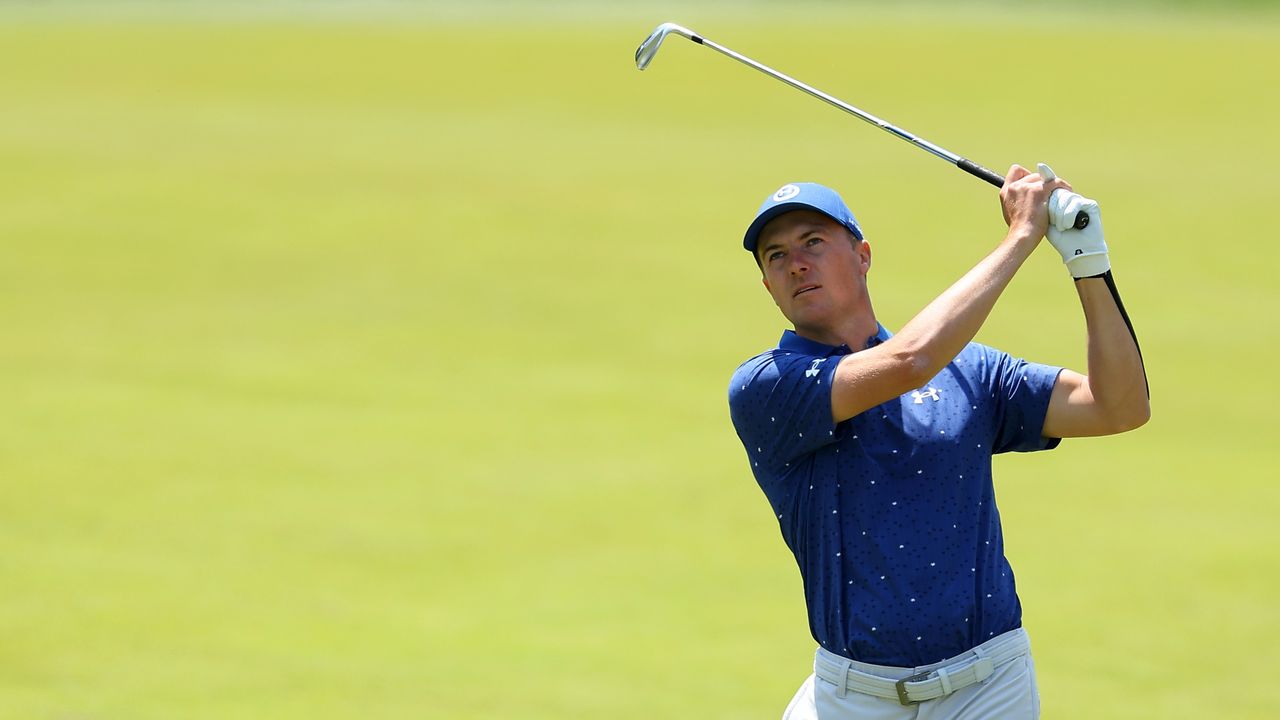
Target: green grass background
{"x": 371, "y": 361}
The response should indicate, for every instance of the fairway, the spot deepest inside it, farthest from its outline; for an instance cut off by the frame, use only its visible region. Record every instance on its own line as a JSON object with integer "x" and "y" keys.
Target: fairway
{"x": 373, "y": 364}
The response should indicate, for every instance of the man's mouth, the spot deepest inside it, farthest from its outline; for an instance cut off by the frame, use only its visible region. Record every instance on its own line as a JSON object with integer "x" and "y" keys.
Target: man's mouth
{"x": 804, "y": 289}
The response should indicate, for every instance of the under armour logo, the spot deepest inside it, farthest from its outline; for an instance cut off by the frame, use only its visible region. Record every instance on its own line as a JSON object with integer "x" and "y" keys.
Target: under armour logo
{"x": 813, "y": 369}
{"x": 919, "y": 397}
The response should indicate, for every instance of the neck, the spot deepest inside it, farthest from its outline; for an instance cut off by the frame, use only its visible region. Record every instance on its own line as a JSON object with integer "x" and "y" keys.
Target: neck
{"x": 853, "y": 330}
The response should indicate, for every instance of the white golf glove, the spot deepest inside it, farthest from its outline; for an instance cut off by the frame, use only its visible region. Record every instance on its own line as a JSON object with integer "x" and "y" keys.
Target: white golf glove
{"x": 1084, "y": 251}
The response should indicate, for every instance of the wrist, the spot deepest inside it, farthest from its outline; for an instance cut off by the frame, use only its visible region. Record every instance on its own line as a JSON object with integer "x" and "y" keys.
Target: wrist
{"x": 1087, "y": 265}
{"x": 1024, "y": 236}
{"x": 1087, "y": 278}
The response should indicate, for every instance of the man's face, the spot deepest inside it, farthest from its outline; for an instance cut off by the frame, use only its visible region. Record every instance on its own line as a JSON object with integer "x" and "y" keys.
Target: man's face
{"x": 814, "y": 268}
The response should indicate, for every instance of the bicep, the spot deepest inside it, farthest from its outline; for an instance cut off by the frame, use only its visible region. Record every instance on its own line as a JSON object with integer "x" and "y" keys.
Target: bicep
{"x": 1073, "y": 411}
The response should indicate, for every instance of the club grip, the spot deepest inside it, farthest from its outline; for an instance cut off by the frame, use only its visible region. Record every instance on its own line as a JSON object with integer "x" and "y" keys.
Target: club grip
{"x": 976, "y": 170}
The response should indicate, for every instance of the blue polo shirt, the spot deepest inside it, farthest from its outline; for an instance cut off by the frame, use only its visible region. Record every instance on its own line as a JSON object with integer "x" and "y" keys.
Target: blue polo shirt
{"x": 891, "y": 514}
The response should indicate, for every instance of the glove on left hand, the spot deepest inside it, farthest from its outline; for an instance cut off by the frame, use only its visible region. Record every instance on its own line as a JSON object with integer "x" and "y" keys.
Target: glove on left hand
{"x": 1083, "y": 251}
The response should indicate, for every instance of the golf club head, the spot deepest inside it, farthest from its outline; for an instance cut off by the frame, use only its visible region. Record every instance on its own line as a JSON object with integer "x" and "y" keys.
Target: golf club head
{"x": 649, "y": 48}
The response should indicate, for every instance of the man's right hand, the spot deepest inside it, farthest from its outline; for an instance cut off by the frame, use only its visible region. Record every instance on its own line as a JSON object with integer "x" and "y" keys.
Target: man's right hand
{"x": 1024, "y": 201}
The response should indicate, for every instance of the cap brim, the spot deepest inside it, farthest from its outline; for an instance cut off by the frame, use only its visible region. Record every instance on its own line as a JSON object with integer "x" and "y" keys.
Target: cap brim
{"x": 752, "y": 237}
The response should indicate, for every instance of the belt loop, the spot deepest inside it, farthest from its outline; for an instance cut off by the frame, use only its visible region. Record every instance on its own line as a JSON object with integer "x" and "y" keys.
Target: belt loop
{"x": 945, "y": 677}
{"x": 982, "y": 667}
{"x": 842, "y": 687}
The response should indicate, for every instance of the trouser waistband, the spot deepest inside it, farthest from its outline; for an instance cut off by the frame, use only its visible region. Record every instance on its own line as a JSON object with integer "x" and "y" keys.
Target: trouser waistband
{"x": 939, "y": 680}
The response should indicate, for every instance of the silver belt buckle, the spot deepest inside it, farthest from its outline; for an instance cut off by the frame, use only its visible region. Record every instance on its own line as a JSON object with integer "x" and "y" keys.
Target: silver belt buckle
{"x": 901, "y": 685}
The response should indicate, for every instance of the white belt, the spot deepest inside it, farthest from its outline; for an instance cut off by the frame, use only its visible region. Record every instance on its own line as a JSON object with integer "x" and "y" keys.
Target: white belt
{"x": 973, "y": 667}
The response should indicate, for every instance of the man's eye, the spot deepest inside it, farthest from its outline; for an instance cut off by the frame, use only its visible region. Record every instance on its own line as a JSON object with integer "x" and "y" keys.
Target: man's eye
{"x": 813, "y": 241}
{"x": 775, "y": 255}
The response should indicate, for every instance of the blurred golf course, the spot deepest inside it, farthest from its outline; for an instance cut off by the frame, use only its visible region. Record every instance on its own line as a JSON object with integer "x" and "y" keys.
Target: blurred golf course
{"x": 371, "y": 360}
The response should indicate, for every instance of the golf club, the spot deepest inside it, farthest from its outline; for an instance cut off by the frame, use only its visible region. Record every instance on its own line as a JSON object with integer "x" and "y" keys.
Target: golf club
{"x": 649, "y": 48}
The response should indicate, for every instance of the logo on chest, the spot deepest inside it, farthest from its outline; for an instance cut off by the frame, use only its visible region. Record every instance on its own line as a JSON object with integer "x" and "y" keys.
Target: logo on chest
{"x": 932, "y": 392}
{"x": 813, "y": 369}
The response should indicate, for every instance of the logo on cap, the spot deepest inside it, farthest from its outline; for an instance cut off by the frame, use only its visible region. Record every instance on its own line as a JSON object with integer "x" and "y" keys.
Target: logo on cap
{"x": 786, "y": 192}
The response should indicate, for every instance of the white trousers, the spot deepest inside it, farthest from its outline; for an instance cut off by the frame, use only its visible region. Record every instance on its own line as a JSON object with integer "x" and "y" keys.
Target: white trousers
{"x": 1010, "y": 693}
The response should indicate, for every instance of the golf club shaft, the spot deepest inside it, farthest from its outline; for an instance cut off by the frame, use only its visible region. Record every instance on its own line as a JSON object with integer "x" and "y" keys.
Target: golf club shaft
{"x": 964, "y": 164}
{"x": 973, "y": 168}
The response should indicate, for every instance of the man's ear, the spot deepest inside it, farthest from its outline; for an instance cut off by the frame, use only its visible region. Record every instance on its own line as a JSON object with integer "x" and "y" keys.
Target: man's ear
{"x": 765, "y": 281}
{"x": 864, "y": 254}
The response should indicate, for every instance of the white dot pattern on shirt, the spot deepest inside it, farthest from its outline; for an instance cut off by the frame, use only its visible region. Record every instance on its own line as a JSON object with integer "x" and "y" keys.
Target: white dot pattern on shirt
{"x": 946, "y": 449}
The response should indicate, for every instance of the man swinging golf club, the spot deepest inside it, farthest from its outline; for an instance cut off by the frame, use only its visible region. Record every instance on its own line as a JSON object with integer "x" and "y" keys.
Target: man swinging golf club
{"x": 874, "y": 450}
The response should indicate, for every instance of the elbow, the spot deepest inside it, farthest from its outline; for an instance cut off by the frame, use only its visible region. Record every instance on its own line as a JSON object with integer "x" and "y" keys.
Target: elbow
{"x": 1141, "y": 415}
{"x": 914, "y": 369}
{"x": 1131, "y": 417}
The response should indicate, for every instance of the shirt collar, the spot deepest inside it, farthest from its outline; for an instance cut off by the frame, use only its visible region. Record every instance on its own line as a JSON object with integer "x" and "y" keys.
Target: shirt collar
{"x": 794, "y": 343}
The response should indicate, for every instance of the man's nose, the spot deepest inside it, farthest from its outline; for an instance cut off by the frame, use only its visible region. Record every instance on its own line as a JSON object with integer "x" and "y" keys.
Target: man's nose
{"x": 799, "y": 264}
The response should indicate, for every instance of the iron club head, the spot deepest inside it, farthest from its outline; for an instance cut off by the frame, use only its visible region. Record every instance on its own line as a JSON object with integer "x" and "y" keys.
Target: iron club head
{"x": 649, "y": 48}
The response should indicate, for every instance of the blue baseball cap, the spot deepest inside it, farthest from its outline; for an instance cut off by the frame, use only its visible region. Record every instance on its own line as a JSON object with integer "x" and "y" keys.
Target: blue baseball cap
{"x": 800, "y": 196}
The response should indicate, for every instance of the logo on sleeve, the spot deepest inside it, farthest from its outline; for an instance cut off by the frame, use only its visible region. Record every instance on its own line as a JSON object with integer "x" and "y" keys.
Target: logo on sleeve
{"x": 919, "y": 397}
{"x": 813, "y": 369}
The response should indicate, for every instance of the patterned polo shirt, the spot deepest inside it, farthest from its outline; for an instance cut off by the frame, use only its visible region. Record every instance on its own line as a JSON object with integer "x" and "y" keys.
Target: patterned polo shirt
{"x": 891, "y": 514}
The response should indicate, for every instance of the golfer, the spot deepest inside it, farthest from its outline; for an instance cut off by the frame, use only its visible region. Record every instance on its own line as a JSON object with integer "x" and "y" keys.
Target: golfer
{"x": 874, "y": 450}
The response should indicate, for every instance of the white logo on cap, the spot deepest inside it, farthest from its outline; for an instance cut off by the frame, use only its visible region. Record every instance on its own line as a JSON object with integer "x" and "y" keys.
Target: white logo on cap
{"x": 786, "y": 192}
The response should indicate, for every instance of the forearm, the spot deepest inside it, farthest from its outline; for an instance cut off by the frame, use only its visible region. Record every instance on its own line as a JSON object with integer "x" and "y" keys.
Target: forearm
{"x": 1117, "y": 379}
{"x": 924, "y": 346}
{"x": 945, "y": 326}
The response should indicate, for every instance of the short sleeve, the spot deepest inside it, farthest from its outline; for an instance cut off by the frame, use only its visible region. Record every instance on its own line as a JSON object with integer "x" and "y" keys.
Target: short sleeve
{"x": 780, "y": 404}
{"x": 1021, "y": 391}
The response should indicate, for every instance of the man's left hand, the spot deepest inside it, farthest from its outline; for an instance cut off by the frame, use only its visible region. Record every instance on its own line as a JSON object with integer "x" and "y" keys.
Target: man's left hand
{"x": 1083, "y": 251}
